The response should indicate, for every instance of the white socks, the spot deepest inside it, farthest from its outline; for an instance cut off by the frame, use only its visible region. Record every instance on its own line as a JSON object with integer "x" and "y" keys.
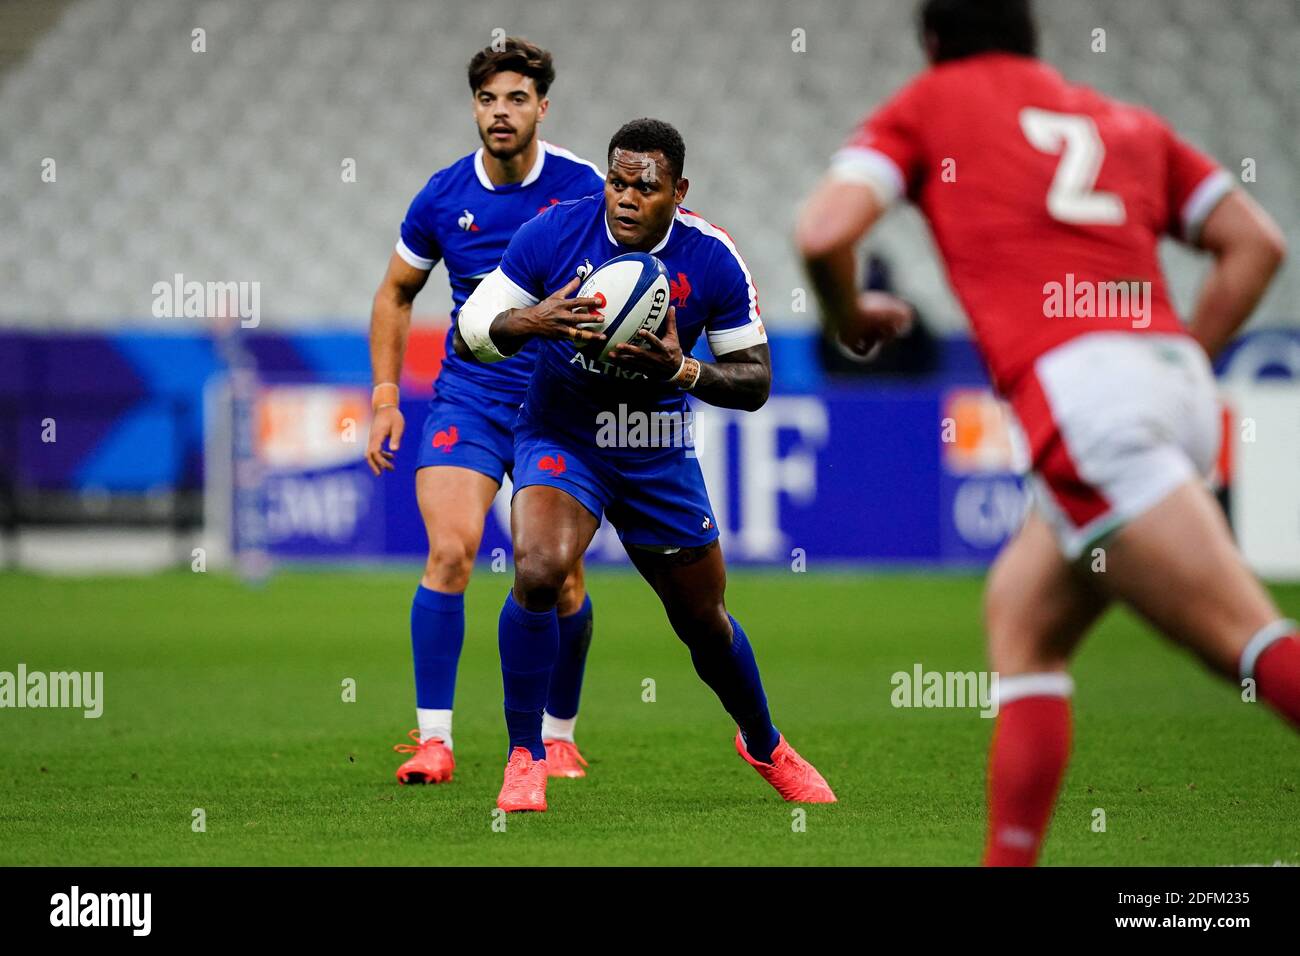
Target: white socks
{"x": 434, "y": 723}
{"x": 1262, "y": 641}
{"x": 553, "y": 728}
{"x": 437, "y": 723}
{"x": 1044, "y": 684}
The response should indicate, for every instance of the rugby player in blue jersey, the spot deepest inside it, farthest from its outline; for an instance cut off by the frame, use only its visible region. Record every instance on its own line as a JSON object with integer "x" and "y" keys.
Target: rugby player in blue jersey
{"x": 465, "y": 216}
{"x": 567, "y": 472}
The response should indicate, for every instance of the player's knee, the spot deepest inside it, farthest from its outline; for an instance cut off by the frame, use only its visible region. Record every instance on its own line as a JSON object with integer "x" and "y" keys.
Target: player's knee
{"x": 448, "y": 566}
{"x": 539, "y": 579}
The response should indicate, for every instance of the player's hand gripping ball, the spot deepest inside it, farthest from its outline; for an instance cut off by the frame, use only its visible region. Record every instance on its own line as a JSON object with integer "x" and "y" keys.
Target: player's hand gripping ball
{"x": 634, "y": 288}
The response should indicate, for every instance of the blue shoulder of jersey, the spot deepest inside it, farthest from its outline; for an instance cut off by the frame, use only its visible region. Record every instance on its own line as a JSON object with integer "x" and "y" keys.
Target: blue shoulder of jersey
{"x": 420, "y": 245}
{"x": 529, "y": 258}
{"x": 464, "y": 220}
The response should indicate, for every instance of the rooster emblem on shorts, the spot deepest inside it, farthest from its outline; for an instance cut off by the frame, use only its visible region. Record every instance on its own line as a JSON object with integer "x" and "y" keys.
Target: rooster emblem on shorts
{"x": 555, "y": 465}
{"x": 446, "y": 439}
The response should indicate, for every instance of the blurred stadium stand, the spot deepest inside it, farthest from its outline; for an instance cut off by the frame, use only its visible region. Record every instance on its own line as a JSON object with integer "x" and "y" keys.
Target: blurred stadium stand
{"x": 22, "y": 23}
{"x": 225, "y": 165}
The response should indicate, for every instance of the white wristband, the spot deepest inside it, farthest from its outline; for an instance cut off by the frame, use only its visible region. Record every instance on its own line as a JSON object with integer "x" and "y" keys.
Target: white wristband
{"x": 690, "y": 369}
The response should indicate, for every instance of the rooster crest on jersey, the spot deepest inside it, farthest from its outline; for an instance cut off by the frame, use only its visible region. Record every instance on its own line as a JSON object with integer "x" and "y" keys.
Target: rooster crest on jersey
{"x": 635, "y": 290}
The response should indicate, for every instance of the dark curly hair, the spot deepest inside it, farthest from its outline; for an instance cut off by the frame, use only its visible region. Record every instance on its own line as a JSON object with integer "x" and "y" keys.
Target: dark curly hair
{"x": 517, "y": 55}
{"x": 645, "y": 135}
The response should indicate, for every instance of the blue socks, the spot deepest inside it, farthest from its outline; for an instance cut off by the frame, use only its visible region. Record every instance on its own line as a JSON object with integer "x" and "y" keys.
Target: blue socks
{"x": 732, "y": 673}
{"x": 437, "y": 635}
{"x": 528, "y": 641}
{"x": 566, "y": 678}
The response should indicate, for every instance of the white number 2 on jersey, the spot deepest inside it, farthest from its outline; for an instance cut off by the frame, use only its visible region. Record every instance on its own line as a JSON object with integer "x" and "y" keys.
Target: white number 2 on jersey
{"x": 1075, "y": 138}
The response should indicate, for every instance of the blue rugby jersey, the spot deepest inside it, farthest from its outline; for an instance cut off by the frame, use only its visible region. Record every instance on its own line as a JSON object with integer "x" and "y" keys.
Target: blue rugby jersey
{"x": 462, "y": 219}
{"x": 710, "y": 289}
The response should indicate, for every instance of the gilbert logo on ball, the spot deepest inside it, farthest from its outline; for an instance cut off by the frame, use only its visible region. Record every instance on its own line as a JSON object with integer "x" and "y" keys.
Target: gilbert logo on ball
{"x": 634, "y": 288}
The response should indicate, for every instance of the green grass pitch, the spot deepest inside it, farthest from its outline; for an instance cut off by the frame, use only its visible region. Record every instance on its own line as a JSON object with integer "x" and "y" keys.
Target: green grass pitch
{"x": 230, "y": 700}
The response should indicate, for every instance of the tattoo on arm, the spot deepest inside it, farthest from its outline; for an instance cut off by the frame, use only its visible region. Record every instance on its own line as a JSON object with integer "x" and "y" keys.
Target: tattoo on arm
{"x": 740, "y": 379}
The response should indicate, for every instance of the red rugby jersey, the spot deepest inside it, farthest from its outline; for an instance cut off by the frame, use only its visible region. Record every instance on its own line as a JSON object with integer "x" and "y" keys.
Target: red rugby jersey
{"x": 1036, "y": 190}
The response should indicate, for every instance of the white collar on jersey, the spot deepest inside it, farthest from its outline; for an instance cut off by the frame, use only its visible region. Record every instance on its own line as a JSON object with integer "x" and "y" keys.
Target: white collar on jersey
{"x": 531, "y": 178}
{"x": 662, "y": 242}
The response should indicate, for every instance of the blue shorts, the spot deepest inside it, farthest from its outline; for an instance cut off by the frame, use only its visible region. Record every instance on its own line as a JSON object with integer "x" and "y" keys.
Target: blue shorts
{"x": 478, "y": 435}
{"x": 656, "y": 501}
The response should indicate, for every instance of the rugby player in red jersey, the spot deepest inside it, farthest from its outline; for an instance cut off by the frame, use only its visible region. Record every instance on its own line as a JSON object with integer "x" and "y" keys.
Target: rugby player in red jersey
{"x": 1047, "y": 201}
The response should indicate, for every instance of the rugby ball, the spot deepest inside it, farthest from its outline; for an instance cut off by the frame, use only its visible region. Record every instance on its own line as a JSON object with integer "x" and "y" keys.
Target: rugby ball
{"x": 634, "y": 289}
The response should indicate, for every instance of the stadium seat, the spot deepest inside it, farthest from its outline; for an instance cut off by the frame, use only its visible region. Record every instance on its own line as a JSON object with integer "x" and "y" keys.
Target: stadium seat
{"x": 226, "y": 164}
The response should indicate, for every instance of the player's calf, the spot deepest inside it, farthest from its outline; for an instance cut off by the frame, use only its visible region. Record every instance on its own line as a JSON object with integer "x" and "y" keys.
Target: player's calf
{"x": 437, "y": 619}
{"x": 691, "y": 584}
{"x": 724, "y": 660}
{"x": 709, "y": 626}
{"x": 528, "y": 642}
{"x": 1027, "y": 759}
{"x": 573, "y": 593}
{"x": 576, "y": 623}
{"x": 550, "y": 531}
{"x": 1037, "y": 608}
